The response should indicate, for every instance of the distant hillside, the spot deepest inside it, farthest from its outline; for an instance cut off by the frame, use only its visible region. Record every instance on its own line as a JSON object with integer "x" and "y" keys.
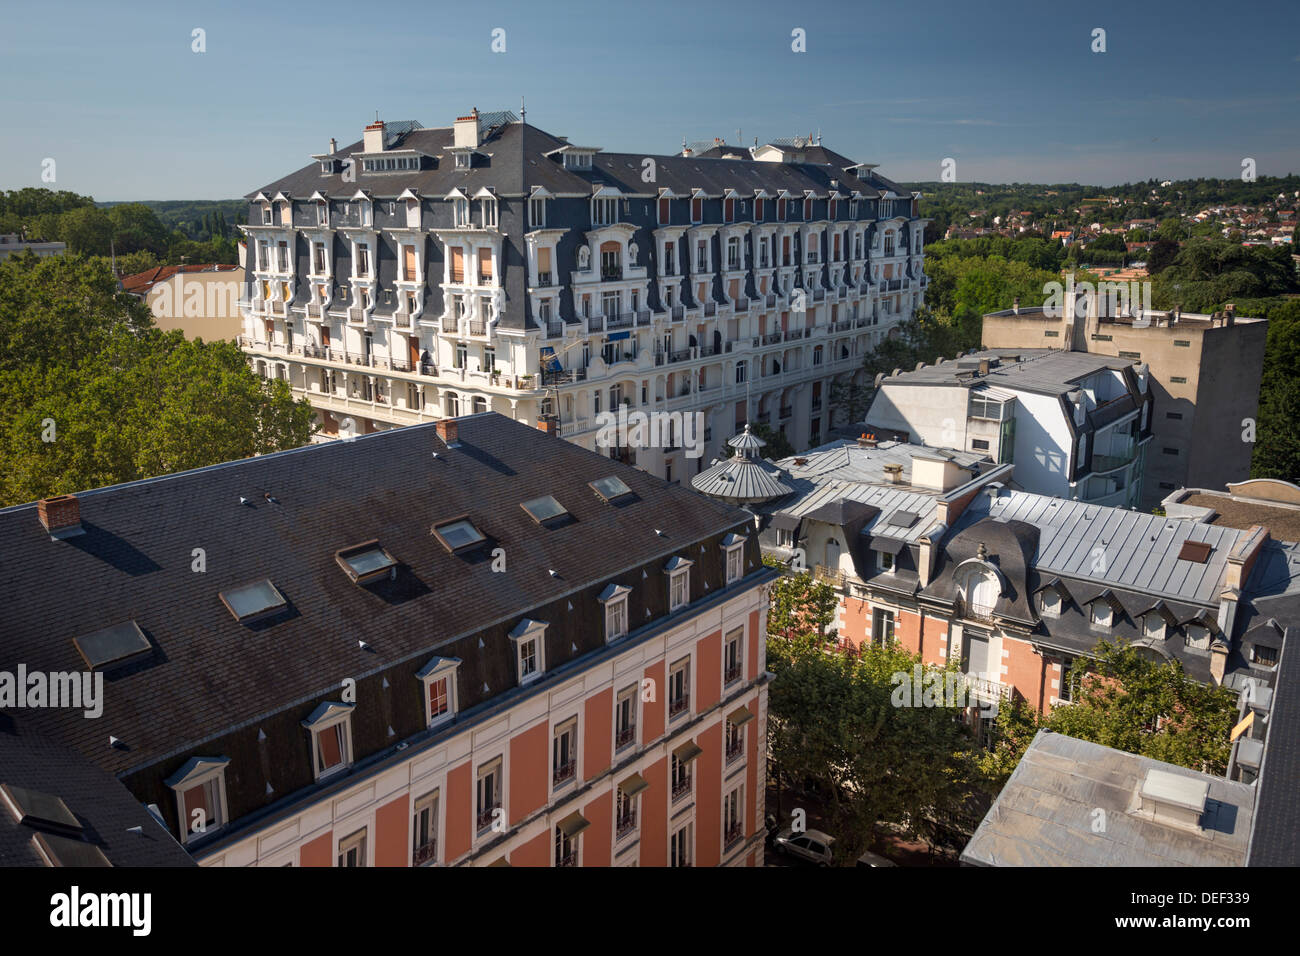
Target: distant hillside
{"x": 193, "y": 217}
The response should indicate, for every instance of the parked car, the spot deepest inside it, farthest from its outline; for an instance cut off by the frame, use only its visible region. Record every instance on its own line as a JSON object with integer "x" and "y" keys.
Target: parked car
{"x": 812, "y": 846}
{"x": 874, "y": 859}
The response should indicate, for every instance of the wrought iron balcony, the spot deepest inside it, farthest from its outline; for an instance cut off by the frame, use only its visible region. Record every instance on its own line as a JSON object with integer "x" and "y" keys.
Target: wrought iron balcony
{"x": 423, "y": 854}
{"x": 969, "y": 609}
{"x": 486, "y": 816}
{"x": 611, "y": 273}
{"x": 543, "y": 279}
{"x": 682, "y": 787}
{"x": 568, "y": 859}
{"x": 624, "y": 737}
{"x": 625, "y": 826}
{"x": 565, "y": 771}
{"x": 732, "y": 673}
{"x": 678, "y": 706}
{"x": 733, "y": 835}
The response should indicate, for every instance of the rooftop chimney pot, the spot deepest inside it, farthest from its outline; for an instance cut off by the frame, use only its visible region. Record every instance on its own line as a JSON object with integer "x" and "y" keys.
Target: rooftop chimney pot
{"x": 448, "y": 431}
{"x": 60, "y": 516}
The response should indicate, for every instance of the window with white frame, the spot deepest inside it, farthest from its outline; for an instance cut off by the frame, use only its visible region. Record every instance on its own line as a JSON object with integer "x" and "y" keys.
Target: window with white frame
{"x": 1049, "y": 605}
{"x": 1154, "y": 626}
{"x": 785, "y": 537}
{"x": 882, "y": 627}
{"x": 604, "y": 211}
{"x": 200, "y": 788}
{"x": 733, "y": 547}
{"x": 625, "y": 718}
{"x": 1101, "y": 614}
{"x": 438, "y": 678}
{"x": 679, "y": 688}
{"x": 614, "y": 597}
{"x": 564, "y": 753}
{"x": 537, "y": 212}
{"x": 489, "y": 213}
{"x": 488, "y": 795}
{"x": 362, "y": 260}
{"x": 330, "y": 730}
{"x": 352, "y": 849}
{"x": 733, "y": 817}
{"x": 625, "y": 808}
{"x": 424, "y": 830}
{"x": 462, "y": 160}
{"x": 733, "y": 252}
{"x": 529, "y": 637}
{"x": 735, "y": 735}
{"x": 460, "y": 210}
{"x": 679, "y": 846}
{"x": 679, "y": 583}
{"x": 679, "y": 776}
{"x": 733, "y": 656}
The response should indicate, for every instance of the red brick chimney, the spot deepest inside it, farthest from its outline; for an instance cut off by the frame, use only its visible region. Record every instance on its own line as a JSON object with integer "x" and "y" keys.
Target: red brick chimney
{"x": 448, "y": 431}
{"x": 60, "y": 515}
{"x": 550, "y": 426}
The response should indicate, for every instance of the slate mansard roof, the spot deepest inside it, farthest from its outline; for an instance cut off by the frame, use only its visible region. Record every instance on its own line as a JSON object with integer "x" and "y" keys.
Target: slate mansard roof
{"x": 160, "y": 552}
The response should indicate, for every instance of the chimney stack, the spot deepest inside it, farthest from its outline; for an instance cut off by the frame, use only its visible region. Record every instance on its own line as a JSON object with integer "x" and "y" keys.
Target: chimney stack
{"x": 984, "y": 366}
{"x": 465, "y": 130}
{"x": 373, "y": 137}
{"x": 895, "y": 474}
{"x": 1229, "y": 314}
{"x": 866, "y": 441}
{"x": 334, "y": 145}
{"x": 60, "y": 516}
{"x": 448, "y": 431}
{"x": 1015, "y": 306}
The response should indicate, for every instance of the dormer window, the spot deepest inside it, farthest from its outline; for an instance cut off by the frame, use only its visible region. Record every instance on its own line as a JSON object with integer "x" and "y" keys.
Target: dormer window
{"x": 665, "y": 210}
{"x": 679, "y": 583}
{"x": 729, "y": 210}
{"x": 266, "y": 214}
{"x": 577, "y": 160}
{"x": 1154, "y": 627}
{"x": 438, "y": 680}
{"x": 460, "y": 212}
{"x": 200, "y": 788}
{"x": 537, "y": 213}
{"x": 782, "y": 211}
{"x": 489, "y": 213}
{"x": 807, "y": 209}
{"x": 697, "y": 210}
{"x": 614, "y": 598}
{"x": 733, "y": 547}
{"x": 330, "y": 729}
{"x": 758, "y": 208}
{"x": 1049, "y": 605}
{"x": 886, "y": 561}
{"x": 462, "y": 160}
{"x": 1100, "y": 615}
{"x": 530, "y": 648}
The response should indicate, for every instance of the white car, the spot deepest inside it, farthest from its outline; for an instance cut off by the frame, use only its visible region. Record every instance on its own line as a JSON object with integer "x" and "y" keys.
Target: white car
{"x": 812, "y": 846}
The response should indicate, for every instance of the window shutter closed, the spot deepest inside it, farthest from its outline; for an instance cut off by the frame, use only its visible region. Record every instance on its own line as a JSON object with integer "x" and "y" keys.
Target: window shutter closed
{"x": 665, "y": 207}
{"x": 329, "y": 747}
{"x": 485, "y": 263}
{"x": 543, "y": 260}
{"x": 977, "y": 655}
{"x": 410, "y": 262}
{"x": 457, "y": 264}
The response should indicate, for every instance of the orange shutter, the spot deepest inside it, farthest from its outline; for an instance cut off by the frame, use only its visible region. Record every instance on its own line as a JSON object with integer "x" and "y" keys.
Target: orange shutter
{"x": 735, "y": 289}
{"x": 410, "y": 263}
{"x": 543, "y": 260}
{"x": 457, "y": 264}
{"x": 485, "y": 263}
{"x": 758, "y": 210}
{"x": 731, "y": 209}
{"x": 665, "y": 207}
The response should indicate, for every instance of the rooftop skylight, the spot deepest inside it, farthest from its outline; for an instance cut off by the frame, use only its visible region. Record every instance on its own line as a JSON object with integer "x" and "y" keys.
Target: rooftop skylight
{"x": 611, "y": 488}
{"x": 250, "y": 601}
{"x": 112, "y": 644}
{"x": 38, "y": 809}
{"x": 365, "y": 562}
{"x": 544, "y": 509}
{"x": 458, "y": 534}
{"x": 1197, "y": 551}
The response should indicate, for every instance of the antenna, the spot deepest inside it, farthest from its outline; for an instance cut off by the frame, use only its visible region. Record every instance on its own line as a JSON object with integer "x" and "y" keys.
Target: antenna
{"x": 523, "y": 114}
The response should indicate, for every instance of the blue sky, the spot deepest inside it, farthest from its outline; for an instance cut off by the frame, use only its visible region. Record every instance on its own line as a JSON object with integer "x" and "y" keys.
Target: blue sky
{"x": 1011, "y": 90}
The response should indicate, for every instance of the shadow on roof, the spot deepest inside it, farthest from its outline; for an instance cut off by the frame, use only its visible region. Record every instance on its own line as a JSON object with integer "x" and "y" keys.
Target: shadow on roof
{"x": 111, "y": 549}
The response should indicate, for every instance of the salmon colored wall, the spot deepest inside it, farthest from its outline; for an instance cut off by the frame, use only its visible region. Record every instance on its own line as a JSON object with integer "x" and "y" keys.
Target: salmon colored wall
{"x": 392, "y": 840}
{"x": 653, "y": 711}
{"x": 528, "y": 771}
{"x": 460, "y": 812}
{"x": 708, "y": 798}
{"x": 751, "y": 656}
{"x": 752, "y": 731}
{"x": 934, "y": 636}
{"x": 708, "y": 664}
{"x": 857, "y": 622}
{"x": 598, "y": 738}
{"x": 596, "y": 838}
{"x": 654, "y": 815}
{"x": 536, "y": 852}
{"x": 1027, "y": 671}
{"x": 318, "y": 852}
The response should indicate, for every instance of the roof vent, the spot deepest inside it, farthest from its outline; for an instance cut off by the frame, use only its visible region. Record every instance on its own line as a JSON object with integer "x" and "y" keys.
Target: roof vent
{"x": 894, "y": 472}
{"x": 1173, "y": 799}
{"x": 60, "y": 516}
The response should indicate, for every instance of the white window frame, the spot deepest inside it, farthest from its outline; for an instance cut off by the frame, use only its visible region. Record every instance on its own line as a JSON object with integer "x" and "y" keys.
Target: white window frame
{"x": 489, "y": 213}
{"x": 1106, "y": 614}
{"x": 684, "y": 836}
{"x": 1158, "y": 634}
{"x": 357, "y": 840}
{"x": 604, "y": 210}
{"x": 329, "y": 716}
{"x": 633, "y": 695}
{"x": 734, "y": 553}
{"x": 676, "y": 667}
{"x": 537, "y": 212}
{"x": 570, "y": 728}
{"x": 497, "y": 766}
{"x": 439, "y": 668}
{"x": 886, "y": 562}
{"x": 526, "y": 632}
{"x": 615, "y": 600}
{"x": 634, "y": 811}
{"x": 735, "y": 636}
{"x": 209, "y": 773}
{"x": 460, "y": 212}
{"x": 1049, "y": 603}
{"x": 678, "y": 570}
{"x": 734, "y": 798}
{"x": 427, "y": 802}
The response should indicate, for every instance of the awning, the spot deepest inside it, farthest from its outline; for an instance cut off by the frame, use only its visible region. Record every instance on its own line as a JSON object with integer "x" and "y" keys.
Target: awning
{"x": 616, "y": 336}
{"x": 784, "y": 522}
{"x": 687, "y": 752}
{"x": 740, "y": 716}
{"x": 886, "y": 544}
{"x": 634, "y": 785}
{"x": 573, "y": 824}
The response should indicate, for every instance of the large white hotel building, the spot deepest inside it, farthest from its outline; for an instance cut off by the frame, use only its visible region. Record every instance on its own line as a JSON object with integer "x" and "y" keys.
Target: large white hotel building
{"x": 489, "y": 265}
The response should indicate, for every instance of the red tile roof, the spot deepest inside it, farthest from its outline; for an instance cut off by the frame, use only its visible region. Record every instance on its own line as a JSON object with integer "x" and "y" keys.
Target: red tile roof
{"x": 142, "y": 282}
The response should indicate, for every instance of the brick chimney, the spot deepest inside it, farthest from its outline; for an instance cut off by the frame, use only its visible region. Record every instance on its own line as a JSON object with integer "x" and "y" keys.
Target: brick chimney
{"x": 549, "y": 424}
{"x": 866, "y": 441}
{"x": 448, "y": 431}
{"x": 60, "y": 516}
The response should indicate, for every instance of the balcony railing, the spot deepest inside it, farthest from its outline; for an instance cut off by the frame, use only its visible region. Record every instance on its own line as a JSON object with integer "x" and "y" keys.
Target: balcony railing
{"x": 742, "y": 304}
{"x": 565, "y": 771}
{"x": 770, "y": 301}
{"x": 985, "y": 690}
{"x": 734, "y": 752}
{"x": 624, "y": 737}
{"x": 972, "y": 610}
{"x": 543, "y": 279}
{"x": 733, "y": 835}
{"x": 819, "y": 295}
{"x": 731, "y": 673}
{"x": 554, "y": 330}
{"x": 678, "y": 313}
{"x": 710, "y": 309}
{"x": 682, "y": 787}
{"x": 828, "y": 575}
{"x": 486, "y": 816}
{"x": 611, "y": 273}
{"x": 423, "y": 854}
{"x": 478, "y": 327}
{"x": 678, "y": 706}
{"x": 568, "y": 859}
{"x": 626, "y": 825}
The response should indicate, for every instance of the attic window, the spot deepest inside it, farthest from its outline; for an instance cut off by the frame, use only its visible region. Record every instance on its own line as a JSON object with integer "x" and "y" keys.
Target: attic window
{"x": 62, "y": 851}
{"x": 1264, "y": 656}
{"x": 1197, "y": 551}
{"x": 458, "y": 535}
{"x": 544, "y": 509}
{"x": 902, "y": 519}
{"x": 254, "y": 600}
{"x": 610, "y": 489}
{"x": 112, "y": 644}
{"x": 365, "y": 562}
{"x": 1050, "y": 603}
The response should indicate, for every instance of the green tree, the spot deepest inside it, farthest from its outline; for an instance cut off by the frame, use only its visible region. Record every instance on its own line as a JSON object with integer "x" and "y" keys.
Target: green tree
{"x": 778, "y": 446}
{"x": 849, "y": 401}
{"x": 136, "y": 228}
{"x": 93, "y": 394}
{"x": 86, "y": 230}
{"x": 801, "y": 605}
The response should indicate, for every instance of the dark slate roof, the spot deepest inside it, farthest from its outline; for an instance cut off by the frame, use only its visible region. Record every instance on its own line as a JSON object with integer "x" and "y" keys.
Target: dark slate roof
{"x": 103, "y": 807}
{"x": 514, "y": 160}
{"x": 208, "y": 673}
{"x": 1275, "y": 840}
